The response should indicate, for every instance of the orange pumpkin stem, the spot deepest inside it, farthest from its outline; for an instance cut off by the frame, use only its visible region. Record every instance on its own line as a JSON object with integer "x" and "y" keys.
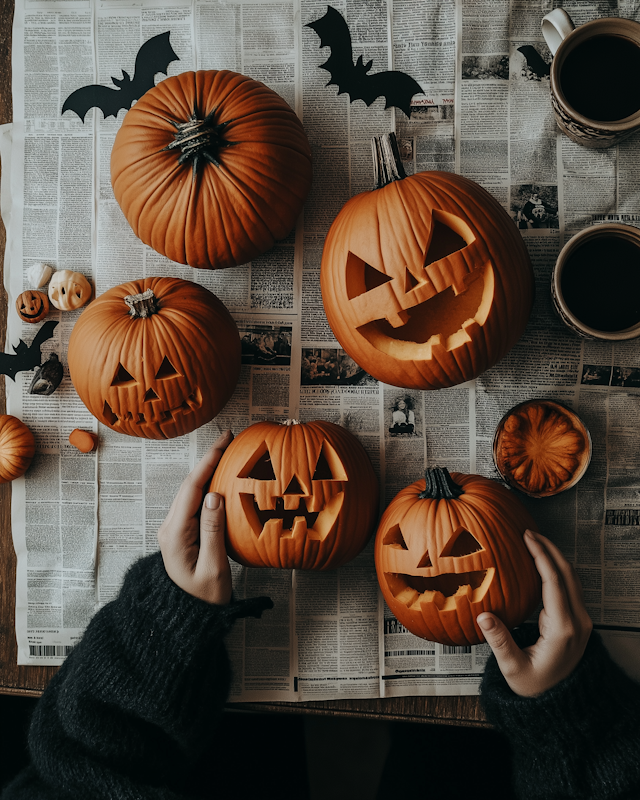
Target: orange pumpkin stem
{"x": 440, "y": 485}
{"x": 142, "y": 305}
{"x": 387, "y": 164}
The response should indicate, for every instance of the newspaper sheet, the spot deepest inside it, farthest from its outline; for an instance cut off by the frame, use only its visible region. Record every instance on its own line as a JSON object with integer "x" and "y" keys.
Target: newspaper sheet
{"x": 79, "y": 520}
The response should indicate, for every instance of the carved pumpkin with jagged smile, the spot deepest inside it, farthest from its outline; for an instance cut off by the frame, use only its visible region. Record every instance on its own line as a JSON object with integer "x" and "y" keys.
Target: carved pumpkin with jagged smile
{"x": 426, "y": 281}
{"x": 451, "y": 546}
{"x": 297, "y": 495}
{"x": 155, "y": 358}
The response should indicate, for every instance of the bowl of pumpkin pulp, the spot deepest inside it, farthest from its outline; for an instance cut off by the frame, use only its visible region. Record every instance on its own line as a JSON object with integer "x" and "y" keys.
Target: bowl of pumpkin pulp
{"x": 541, "y": 447}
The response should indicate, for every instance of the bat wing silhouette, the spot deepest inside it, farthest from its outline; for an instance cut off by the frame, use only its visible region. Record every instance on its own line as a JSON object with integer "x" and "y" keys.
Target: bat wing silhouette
{"x": 396, "y": 87}
{"x": 154, "y": 56}
{"x": 26, "y": 356}
{"x": 535, "y": 62}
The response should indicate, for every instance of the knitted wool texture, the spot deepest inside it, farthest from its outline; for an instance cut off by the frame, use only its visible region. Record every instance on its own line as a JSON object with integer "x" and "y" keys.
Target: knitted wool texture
{"x": 580, "y": 739}
{"x": 132, "y": 709}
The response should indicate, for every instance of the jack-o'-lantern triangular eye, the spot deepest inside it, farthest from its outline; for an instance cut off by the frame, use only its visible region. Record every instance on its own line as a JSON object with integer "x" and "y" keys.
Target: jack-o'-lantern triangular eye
{"x": 362, "y": 277}
{"x": 462, "y": 543}
{"x": 444, "y": 239}
{"x": 329, "y": 466}
{"x": 394, "y": 538}
{"x": 122, "y": 377}
{"x": 167, "y": 370}
{"x": 259, "y": 467}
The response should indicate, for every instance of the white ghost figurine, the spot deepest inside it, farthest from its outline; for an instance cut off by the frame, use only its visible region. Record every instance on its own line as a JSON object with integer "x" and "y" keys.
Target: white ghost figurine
{"x": 39, "y": 274}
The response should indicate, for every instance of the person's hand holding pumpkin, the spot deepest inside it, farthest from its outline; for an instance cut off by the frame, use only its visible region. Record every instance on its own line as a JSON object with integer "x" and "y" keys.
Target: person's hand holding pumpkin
{"x": 192, "y": 535}
{"x": 564, "y": 625}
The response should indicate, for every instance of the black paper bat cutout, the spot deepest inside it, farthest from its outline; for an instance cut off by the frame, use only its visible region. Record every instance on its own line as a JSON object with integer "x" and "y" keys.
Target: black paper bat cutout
{"x": 27, "y": 356}
{"x": 154, "y": 56}
{"x": 396, "y": 87}
{"x": 535, "y": 62}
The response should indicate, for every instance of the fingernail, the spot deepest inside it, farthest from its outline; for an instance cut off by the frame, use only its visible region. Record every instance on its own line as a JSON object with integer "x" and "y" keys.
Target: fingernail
{"x": 530, "y": 534}
{"x": 212, "y": 500}
{"x": 486, "y": 622}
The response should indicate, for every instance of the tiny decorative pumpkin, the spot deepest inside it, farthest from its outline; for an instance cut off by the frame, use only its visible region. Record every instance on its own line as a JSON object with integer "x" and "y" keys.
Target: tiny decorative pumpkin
{"x": 69, "y": 290}
{"x": 17, "y": 448}
{"x": 84, "y": 441}
{"x": 210, "y": 168}
{"x": 155, "y": 358}
{"x": 426, "y": 281}
{"x": 32, "y": 306}
{"x": 297, "y": 495}
{"x": 541, "y": 448}
{"x": 450, "y": 547}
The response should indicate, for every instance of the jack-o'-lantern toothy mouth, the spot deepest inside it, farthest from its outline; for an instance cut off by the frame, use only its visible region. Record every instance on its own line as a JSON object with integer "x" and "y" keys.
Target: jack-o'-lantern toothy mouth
{"x": 291, "y": 523}
{"x": 441, "y": 590}
{"x": 163, "y": 417}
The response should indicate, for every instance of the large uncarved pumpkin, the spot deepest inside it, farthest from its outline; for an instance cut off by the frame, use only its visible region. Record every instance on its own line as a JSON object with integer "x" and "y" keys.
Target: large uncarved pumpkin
{"x": 451, "y": 546}
{"x": 426, "y": 281}
{"x": 297, "y": 495}
{"x": 211, "y": 168}
{"x": 155, "y": 358}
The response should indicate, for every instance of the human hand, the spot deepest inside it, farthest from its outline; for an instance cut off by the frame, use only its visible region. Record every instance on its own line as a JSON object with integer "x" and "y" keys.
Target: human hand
{"x": 192, "y": 535}
{"x": 564, "y": 626}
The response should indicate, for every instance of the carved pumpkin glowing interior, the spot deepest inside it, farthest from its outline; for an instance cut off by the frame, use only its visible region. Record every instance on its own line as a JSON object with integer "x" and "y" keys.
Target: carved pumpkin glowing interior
{"x": 431, "y": 303}
{"x": 297, "y": 495}
{"x": 426, "y": 281}
{"x": 451, "y": 548}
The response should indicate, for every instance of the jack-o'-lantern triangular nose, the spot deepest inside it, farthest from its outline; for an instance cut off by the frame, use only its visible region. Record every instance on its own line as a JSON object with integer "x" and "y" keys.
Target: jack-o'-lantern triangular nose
{"x": 294, "y": 487}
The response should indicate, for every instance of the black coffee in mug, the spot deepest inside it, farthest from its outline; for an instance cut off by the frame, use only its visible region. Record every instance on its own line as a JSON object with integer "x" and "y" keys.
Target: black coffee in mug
{"x": 600, "y": 283}
{"x": 600, "y": 78}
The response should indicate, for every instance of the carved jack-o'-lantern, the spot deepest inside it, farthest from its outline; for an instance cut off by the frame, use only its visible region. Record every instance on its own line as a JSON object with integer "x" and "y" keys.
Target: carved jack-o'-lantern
{"x": 450, "y": 547}
{"x": 426, "y": 281}
{"x": 32, "y": 306}
{"x": 155, "y": 358}
{"x": 69, "y": 290}
{"x": 297, "y": 495}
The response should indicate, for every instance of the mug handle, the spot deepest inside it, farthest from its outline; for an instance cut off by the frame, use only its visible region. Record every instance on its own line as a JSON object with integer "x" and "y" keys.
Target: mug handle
{"x": 556, "y": 26}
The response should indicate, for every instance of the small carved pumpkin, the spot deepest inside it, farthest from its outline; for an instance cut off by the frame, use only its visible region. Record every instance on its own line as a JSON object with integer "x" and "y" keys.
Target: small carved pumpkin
{"x": 69, "y": 290}
{"x": 297, "y": 495}
{"x": 17, "y": 448}
{"x": 451, "y": 546}
{"x": 32, "y": 306}
{"x": 426, "y": 281}
{"x": 155, "y": 358}
{"x": 210, "y": 168}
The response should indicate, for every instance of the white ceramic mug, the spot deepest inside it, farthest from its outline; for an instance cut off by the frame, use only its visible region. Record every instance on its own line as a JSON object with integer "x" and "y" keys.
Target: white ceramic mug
{"x": 610, "y": 47}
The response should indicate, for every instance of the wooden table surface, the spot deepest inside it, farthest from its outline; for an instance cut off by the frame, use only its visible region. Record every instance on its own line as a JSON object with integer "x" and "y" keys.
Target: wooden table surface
{"x": 30, "y": 681}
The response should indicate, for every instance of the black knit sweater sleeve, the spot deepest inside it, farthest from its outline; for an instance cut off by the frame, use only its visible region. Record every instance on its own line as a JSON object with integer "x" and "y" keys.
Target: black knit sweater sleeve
{"x": 134, "y": 705}
{"x": 580, "y": 739}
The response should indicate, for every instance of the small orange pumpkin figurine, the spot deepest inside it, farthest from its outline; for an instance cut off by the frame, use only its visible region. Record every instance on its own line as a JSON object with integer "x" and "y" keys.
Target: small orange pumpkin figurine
{"x": 450, "y": 546}
{"x": 32, "y": 306}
